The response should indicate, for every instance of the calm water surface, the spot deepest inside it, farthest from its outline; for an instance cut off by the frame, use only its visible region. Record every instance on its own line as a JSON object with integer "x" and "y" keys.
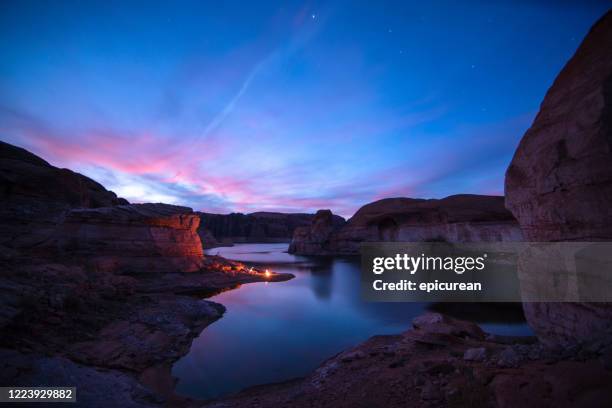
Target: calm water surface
{"x": 276, "y": 331}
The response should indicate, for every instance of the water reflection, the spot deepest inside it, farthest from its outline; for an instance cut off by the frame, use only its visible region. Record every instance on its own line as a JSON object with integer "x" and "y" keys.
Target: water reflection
{"x": 321, "y": 279}
{"x": 277, "y": 331}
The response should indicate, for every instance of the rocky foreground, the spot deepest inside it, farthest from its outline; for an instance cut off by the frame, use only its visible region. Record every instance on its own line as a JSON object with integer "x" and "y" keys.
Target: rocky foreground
{"x": 443, "y": 362}
{"x": 96, "y": 292}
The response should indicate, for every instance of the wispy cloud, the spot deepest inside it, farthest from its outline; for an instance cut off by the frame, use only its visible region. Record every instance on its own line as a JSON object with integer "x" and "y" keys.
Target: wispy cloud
{"x": 227, "y": 110}
{"x": 268, "y": 108}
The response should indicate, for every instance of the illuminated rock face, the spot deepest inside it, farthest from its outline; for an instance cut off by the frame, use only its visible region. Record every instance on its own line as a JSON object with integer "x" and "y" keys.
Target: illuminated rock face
{"x": 135, "y": 238}
{"x": 458, "y": 218}
{"x": 559, "y": 183}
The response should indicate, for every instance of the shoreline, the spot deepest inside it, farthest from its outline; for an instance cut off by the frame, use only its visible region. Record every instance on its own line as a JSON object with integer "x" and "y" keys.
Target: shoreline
{"x": 127, "y": 341}
{"x": 441, "y": 361}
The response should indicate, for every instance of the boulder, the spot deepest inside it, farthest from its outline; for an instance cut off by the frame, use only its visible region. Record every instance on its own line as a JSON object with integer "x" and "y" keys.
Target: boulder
{"x": 475, "y": 354}
{"x": 559, "y": 183}
{"x": 438, "y": 323}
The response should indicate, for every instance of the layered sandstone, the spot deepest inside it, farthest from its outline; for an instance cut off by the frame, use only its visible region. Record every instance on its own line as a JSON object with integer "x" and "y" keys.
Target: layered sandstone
{"x": 257, "y": 227}
{"x": 559, "y": 183}
{"x": 135, "y": 238}
{"x": 26, "y": 178}
{"x": 35, "y": 195}
{"x": 458, "y": 218}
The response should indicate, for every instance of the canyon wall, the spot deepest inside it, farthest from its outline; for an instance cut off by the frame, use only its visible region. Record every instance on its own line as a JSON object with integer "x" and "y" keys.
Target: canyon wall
{"x": 559, "y": 183}
{"x": 135, "y": 238}
{"x": 224, "y": 229}
{"x": 458, "y": 218}
{"x": 34, "y": 196}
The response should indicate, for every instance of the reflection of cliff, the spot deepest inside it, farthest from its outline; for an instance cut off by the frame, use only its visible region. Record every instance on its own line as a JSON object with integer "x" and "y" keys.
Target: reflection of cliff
{"x": 322, "y": 279}
{"x": 559, "y": 183}
{"x": 458, "y": 218}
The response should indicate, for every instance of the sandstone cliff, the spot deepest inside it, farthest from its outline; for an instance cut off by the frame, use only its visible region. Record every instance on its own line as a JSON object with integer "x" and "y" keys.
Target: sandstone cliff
{"x": 314, "y": 238}
{"x": 559, "y": 183}
{"x": 135, "y": 238}
{"x": 458, "y": 218}
{"x": 34, "y": 196}
{"x": 25, "y": 178}
{"x": 257, "y": 227}
{"x": 54, "y": 213}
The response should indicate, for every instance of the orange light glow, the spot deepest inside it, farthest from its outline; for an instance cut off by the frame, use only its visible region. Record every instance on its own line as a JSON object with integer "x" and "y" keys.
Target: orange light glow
{"x": 267, "y": 273}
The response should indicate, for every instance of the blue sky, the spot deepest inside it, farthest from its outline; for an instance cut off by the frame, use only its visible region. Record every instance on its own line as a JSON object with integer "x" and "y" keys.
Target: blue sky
{"x": 288, "y": 106}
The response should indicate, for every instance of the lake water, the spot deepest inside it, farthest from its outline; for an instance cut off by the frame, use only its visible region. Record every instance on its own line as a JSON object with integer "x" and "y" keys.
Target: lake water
{"x": 273, "y": 332}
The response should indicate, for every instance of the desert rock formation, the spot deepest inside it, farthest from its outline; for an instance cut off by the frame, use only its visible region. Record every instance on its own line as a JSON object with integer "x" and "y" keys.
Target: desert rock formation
{"x": 257, "y": 227}
{"x": 559, "y": 183}
{"x": 457, "y": 218}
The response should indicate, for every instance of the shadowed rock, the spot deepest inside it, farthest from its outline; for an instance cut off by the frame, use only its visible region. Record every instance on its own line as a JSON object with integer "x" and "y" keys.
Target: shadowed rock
{"x": 34, "y": 195}
{"x": 559, "y": 183}
{"x": 314, "y": 239}
{"x": 227, "y": 229}
{"x": 25, "y": 177}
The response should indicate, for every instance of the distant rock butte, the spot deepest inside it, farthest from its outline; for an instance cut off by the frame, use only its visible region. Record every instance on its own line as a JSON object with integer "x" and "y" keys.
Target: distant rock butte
{"x": 257, "y": 227}
{"x": 457, "y": 218}
{"x": 314, "y": 238}
{"x": 559, "y": 183}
